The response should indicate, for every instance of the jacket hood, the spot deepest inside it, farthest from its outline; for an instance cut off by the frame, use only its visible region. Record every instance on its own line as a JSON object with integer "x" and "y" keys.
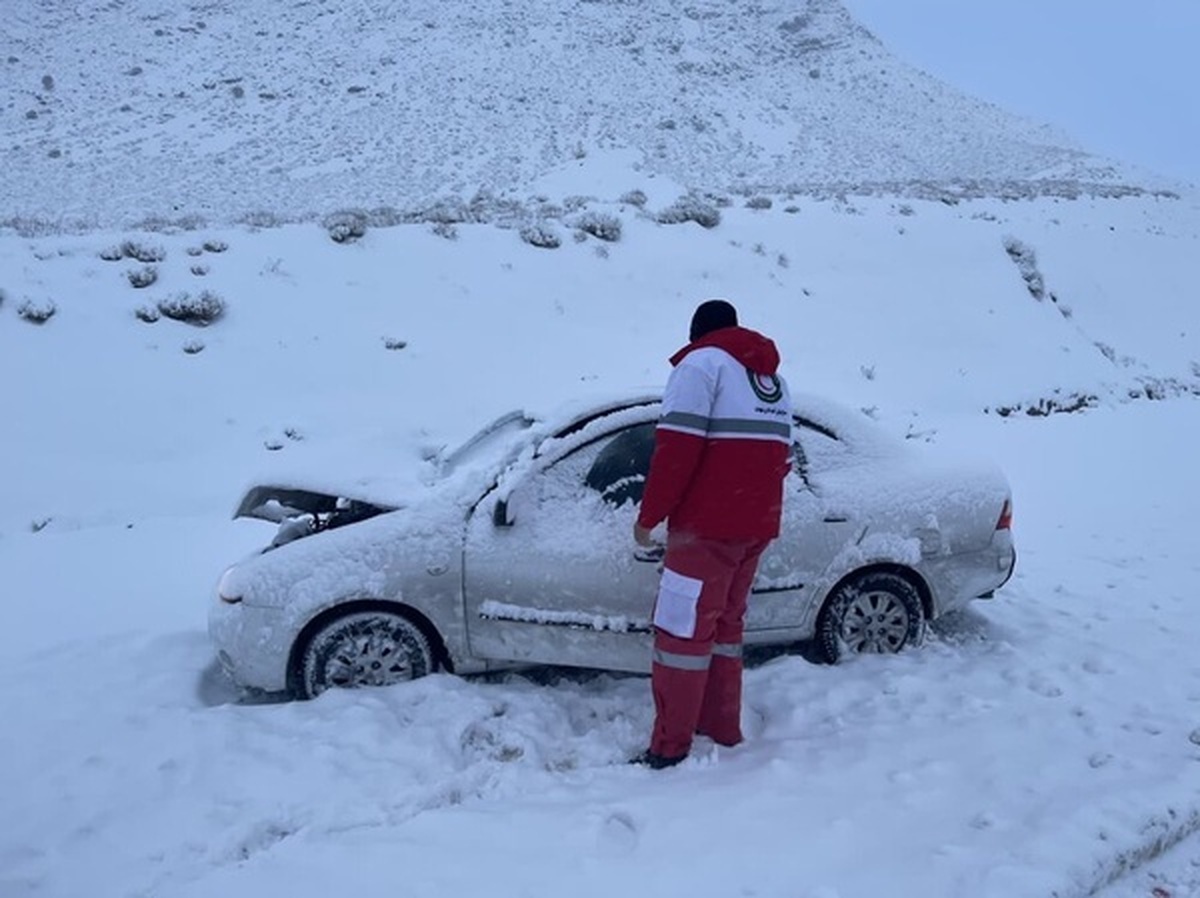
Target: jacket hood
{"x": 750, "y": 348}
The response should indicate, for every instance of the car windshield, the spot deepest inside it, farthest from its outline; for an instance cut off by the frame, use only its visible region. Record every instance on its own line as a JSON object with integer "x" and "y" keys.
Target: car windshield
{"x": 490, "y": 445}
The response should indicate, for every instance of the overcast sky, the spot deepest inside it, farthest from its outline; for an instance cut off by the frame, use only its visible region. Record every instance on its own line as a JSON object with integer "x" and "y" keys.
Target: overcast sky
{"x": 1120, "y": 77}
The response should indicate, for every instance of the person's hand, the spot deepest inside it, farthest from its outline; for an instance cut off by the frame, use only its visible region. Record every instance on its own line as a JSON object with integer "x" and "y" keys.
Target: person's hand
{"x": 641, "y": 536}
{"x": 647, "y": 549}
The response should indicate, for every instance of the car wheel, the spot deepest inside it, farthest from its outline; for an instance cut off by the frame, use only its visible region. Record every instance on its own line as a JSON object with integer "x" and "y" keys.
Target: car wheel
{"x": 877, "y": 612}
{"x": 364, "y": 648}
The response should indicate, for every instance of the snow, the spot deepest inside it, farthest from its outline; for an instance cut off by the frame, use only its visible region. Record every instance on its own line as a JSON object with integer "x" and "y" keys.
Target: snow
{"x": 1041, "y": 743}
{"x": 117, "y": 114}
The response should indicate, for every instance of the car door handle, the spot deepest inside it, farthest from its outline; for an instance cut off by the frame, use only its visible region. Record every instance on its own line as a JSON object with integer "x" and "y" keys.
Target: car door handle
{"x": 833, "y": 518}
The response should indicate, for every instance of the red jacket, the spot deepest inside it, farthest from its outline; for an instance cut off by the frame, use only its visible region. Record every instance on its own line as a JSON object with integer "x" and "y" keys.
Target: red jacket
{"x": 723, "y": 444}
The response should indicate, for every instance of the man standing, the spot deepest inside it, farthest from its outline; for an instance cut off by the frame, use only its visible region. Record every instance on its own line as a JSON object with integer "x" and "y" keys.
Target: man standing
{"x": 721, "y": 452}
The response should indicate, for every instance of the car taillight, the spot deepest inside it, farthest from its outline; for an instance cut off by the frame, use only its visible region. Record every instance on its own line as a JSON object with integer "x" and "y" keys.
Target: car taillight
{"x": 1005, "y": 521}
{"x": 226, "y": 590}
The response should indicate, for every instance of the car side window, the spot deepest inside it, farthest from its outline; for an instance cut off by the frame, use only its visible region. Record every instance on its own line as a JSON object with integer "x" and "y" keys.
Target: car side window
{"x": 585, "y": 498}
{"x": 619, "y": 470}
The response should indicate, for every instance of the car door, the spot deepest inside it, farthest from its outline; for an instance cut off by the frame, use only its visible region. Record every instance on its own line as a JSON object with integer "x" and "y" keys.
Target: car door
{"x": 816, "y": 527}
{"x": 549, "y": 571}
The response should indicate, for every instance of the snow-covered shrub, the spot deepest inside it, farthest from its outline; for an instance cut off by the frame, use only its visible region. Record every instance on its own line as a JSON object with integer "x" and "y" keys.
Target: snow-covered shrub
{"x": 195, "y": 251}
{"x": 634, "y": 198}
{"x": 445, "y": 230}
{"x": 148, "y": 314}
{"x": 131, "y": 249}
{"x": 394, "y": 344}
{"x": 142, "y": 252}
{"x": 1025, "y": 259}
{"x": 199, "y": 270}
{"x": 448, "y": 210}
{"x": 759, "y": 202}
{"x": 576, "y": 201}
{"x": 140, "y": 278}
{"x": 214, "y": 246}
{"x": 385, "y": 217}
{"x": 600, "y": 225}
{"x": 345, "y": 226}
{"x": 37, "y": 312}
{"x": 690, "y": 208}
{"x": 201, "y": 310}
{"x": 191, "y": 347}
{"x": 161, "y": 224}
{"x": 1057, "y": 403}
{"x": 29, "y": 227}
{"x": 542, "y": 235}
{"x": 486, "y": 206}
{"x": 261, "y": 220}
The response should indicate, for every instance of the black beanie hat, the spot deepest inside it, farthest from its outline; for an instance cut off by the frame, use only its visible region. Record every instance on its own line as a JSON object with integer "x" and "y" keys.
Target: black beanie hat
{"x": 710, "y": 316}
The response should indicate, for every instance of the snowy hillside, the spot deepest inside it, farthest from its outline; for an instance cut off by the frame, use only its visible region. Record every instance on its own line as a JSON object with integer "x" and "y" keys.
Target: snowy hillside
{"x": 118, "y": 112}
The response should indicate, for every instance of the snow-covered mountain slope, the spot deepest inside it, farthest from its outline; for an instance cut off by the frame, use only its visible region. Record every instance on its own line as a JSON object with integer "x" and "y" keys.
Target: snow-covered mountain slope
{"x": 115, "y": 111}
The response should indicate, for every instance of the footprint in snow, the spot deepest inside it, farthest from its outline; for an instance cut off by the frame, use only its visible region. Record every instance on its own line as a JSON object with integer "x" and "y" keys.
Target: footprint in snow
{"x": 618, "y": 834}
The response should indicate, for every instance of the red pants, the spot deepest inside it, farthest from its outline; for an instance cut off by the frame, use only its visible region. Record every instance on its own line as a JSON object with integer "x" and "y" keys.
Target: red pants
{"x": 699, "y": 617}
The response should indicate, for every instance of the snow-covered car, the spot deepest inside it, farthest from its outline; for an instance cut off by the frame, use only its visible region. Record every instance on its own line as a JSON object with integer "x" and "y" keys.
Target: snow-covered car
{"x": 516, "y": 550}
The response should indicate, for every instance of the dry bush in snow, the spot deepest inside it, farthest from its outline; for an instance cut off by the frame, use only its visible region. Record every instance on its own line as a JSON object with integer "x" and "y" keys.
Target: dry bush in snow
{"x": 131, "y": 249}
{"x": 690, "y": 208}
{"x": 600, "y": 225}
{"x": 346, "y": 226}
{"x": 140, "y": 278}
{"x": 37, "y": 312}
{"x": 541, "y": 235}
{"x": 200, "y": 311}
{"x": 1025, "y": 259}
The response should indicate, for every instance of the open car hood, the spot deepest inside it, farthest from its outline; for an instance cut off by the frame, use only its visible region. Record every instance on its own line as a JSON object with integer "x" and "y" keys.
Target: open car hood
{"x": 300, "y": 512}
{"x": 280, "y": 503}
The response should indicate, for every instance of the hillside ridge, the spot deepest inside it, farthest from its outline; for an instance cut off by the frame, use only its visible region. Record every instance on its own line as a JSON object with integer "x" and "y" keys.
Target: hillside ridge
{"x": 118, "y": 110}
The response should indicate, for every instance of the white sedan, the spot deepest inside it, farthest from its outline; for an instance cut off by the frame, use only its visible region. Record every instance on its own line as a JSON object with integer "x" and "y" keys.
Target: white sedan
{"x": 518, "y": 551}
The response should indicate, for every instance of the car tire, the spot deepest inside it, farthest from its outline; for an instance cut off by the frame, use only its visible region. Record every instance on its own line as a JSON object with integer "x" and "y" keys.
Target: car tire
{"x": 364, "y": 648}
{"x": 877, "y": 612}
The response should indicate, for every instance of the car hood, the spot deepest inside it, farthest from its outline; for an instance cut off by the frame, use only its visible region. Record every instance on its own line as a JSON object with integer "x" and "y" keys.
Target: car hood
{"x": 279, "y": 502}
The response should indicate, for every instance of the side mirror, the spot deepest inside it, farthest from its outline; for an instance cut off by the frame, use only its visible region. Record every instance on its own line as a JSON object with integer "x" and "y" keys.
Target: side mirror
{"x": 500, "y": 516}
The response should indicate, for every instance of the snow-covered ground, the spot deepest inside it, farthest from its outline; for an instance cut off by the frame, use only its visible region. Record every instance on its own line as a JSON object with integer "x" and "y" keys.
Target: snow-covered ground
{"x": 1039, "y": 744}
{"x": 1044, "y": 743}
